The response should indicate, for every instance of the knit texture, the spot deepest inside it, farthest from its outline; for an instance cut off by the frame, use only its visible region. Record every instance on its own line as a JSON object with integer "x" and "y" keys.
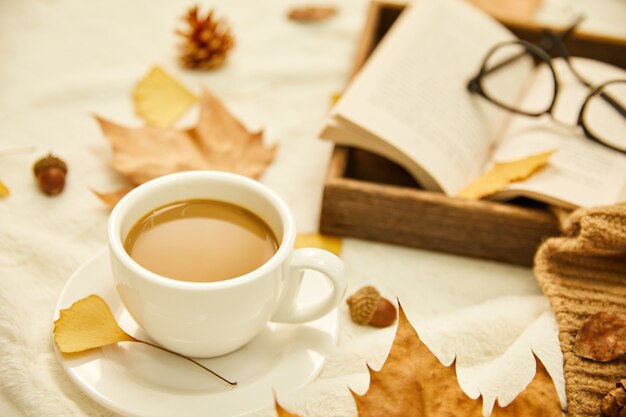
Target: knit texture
{"x": 583, "y": 273}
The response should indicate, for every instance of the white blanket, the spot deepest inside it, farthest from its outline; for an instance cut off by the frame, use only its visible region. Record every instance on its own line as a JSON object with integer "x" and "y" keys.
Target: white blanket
{"x": 63, "y": 60}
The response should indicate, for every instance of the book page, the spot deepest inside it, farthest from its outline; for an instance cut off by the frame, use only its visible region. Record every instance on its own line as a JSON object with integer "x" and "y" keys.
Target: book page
{"x": 412, "y": 91}
{"x": 581, "y": 173}
{"x": 350, "y": 136}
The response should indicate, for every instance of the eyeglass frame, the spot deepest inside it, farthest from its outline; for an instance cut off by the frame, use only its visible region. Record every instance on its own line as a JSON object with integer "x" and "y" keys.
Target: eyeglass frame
{"x": 550, "y": 40}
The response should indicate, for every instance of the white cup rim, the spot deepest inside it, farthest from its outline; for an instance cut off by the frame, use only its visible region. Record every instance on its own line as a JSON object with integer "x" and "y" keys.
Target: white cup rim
{"x": 117, "y": 247}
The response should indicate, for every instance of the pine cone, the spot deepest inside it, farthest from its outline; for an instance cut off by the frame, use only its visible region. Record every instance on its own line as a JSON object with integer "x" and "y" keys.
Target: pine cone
{"x": 614, "y": 404}
{"x": 206, "y": 41}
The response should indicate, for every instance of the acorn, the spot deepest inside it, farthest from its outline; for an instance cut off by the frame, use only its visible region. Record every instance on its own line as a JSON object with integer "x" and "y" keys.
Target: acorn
{"x": 50, "y": 172}
{"x": 368, "y": 307}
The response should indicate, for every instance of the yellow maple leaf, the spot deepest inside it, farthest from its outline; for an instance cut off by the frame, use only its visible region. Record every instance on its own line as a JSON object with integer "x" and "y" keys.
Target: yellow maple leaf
{"x": 316, "y": 240}
{"x": 4, "y": 190}
{"x": 87, "y": 324}
{"x": 503, "y": 174}
{"x": 218, "y": 142}
{"x": 160, "y": 100}
{"x": 412, "y": 382}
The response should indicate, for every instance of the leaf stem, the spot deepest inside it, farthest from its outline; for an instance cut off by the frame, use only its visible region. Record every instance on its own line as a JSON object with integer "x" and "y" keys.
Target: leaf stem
{"x": 189, "y": 359}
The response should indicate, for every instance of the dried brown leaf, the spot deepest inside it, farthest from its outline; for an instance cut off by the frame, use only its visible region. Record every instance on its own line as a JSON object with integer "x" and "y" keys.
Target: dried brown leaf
{"x": 413, "y": 382}
{"x": 503, "y": 174}
{"x": 310, "y": 14}
{"x": 316, "y": 240}
{"x": 614, "y": 403}
{"x": 4, "y": 190}
{"x": 111, "y": 199}
{"x": 602, "y": 337}
{"x": 281, "y": 411}
{"x": 87, "y": 324}
{"x": 218, "y": 142}
{"x": 160, "y": 100}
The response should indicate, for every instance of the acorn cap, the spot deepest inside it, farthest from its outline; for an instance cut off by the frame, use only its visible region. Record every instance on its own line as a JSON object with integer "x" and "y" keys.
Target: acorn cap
{"x": 363, "y": 304}
{"x": 49, "y": 161}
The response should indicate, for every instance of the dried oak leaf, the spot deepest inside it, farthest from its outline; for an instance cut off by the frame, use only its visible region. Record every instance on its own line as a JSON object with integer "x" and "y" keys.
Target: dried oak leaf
{"x": 316, "y": 240}
{"x": 412, "y": 382}
{"x": 160, "y": 100}
{"x": 503, "y": 174}
{"x": 310, "y": 14}
{"x": 87, "y": 324}
{"x": 111, "y": 199}
{"x": 602, "y": 337}
{"x": 217, "y": 142}
{"x": 4, "y": 190}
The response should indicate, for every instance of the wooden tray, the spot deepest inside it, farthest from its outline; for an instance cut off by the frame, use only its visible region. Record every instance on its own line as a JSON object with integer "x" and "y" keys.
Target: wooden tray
{"x": 369, "y": 197}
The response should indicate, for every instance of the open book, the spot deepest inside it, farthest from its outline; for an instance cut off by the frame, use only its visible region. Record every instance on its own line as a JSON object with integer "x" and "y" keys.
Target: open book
{"x": 410, "y": 104}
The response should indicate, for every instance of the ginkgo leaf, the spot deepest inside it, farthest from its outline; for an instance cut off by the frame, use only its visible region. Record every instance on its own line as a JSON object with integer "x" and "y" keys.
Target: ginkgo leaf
{"x": 503, "y": 174}
{"x": 316, "y": 240}
{"x": 217, "y": 142}
{"x": 160, "y": 100}
{"x": 412, "y": 382}
{"x": 111, "y": 199}
{"x": 4, "y": 190}
{"x": 87, "y": 324}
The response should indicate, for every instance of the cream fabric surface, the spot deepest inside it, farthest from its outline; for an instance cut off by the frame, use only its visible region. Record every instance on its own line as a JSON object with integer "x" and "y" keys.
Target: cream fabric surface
{"x": 63, "y": 60}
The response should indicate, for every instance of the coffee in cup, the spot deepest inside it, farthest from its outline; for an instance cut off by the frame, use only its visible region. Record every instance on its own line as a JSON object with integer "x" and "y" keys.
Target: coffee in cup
{"x": 200, "y": 240}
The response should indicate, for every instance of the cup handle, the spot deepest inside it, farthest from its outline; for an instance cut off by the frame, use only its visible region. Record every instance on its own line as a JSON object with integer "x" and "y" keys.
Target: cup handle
{"x": 318, "y": 260}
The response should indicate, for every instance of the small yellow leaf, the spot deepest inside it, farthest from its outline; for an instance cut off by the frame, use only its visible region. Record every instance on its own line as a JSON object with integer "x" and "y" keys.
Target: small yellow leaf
{"x": 315, "y": 240}
{"x": 111, "y": 199}
{"x": 87, "y": 324}
{"x": 4, "y": 190}
{"x": 503, "y": 174}
{"x": 160, "y": 99}
{"x": 334, "y": 98}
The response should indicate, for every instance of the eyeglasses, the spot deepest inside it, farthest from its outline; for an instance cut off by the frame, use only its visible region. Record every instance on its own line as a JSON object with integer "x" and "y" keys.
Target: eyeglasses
{"x": 602, "y": 116}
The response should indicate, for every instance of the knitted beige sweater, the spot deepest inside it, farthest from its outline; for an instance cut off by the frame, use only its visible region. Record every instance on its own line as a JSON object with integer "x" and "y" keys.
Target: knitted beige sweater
{"x": 582, "y": 273}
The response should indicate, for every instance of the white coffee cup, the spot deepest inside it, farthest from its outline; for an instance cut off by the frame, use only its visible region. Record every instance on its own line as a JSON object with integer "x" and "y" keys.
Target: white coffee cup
{"x": 214, "y": 318}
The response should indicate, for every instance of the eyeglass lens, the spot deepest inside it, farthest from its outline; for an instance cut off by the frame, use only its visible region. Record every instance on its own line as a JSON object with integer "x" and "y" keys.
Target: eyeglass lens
{"x": 603, "y": 117}
{"x": 512, "y": 64}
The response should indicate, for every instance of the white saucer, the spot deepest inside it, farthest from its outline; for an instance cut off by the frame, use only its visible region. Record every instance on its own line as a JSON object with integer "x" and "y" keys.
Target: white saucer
{"x": 137, "y": 380}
